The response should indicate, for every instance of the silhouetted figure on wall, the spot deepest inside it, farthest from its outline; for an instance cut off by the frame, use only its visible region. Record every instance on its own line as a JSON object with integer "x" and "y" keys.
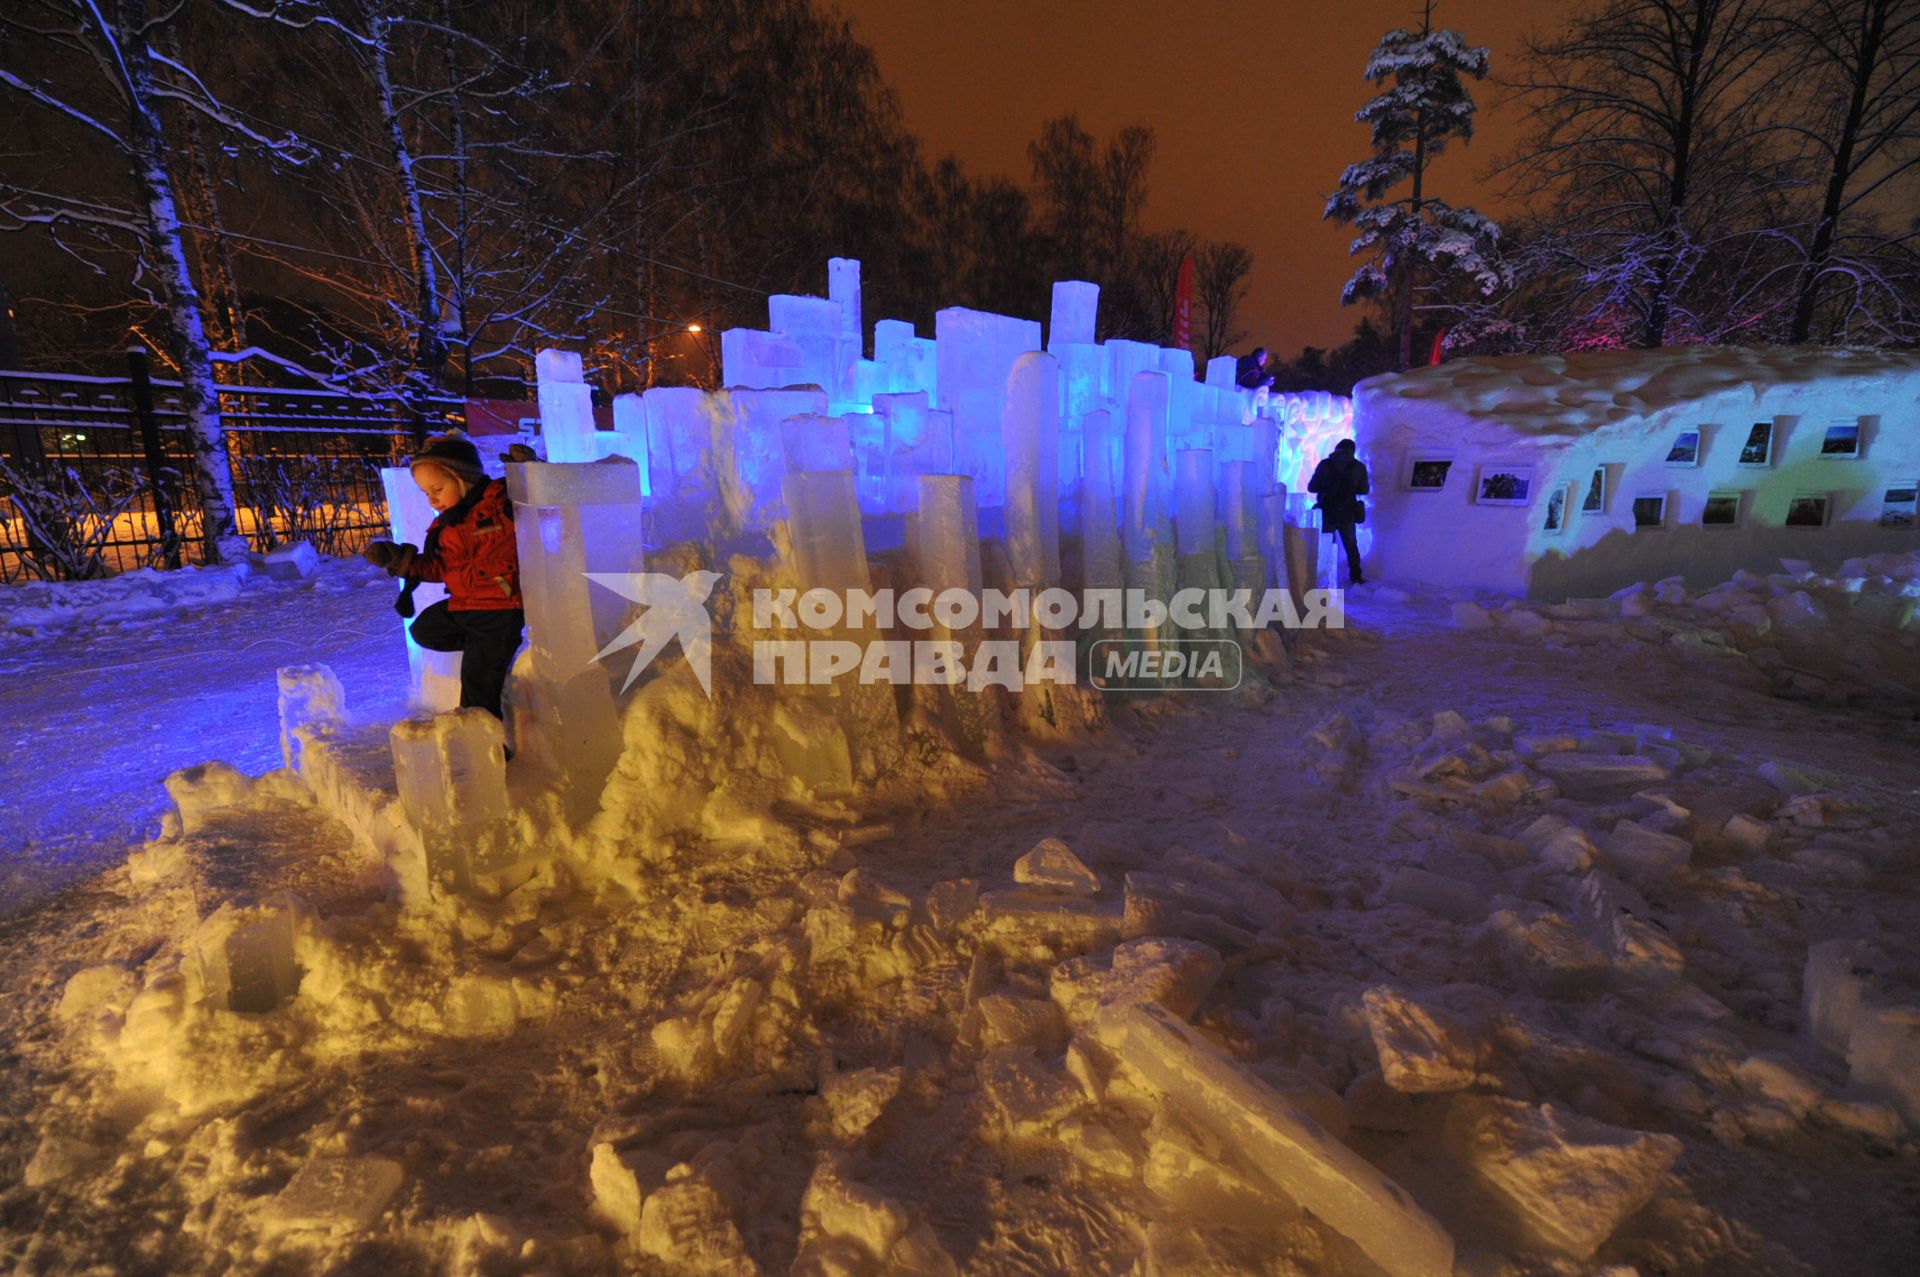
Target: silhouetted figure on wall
{"x": 1250, "y": 371}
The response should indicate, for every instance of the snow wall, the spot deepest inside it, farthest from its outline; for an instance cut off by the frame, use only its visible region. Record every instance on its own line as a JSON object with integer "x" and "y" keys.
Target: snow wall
{"x": 802, "y": 396}
{"x": 1807, "y": 453}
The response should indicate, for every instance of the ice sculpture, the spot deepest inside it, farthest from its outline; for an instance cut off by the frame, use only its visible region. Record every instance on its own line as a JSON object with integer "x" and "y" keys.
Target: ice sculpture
{"x": 1031, "y": 427}
{"x": 976, "y": 351}
{"x": 242, "y": 956}
{"x": 571, "y": 520}
{"x": 1099, "y": 491}
{"x": 310, "y": 696}
{"x": 433, "y": 678}
{"x": 1277, "y": 1140}
{"x": 451, "y": 771}
{"x": 566, "y": 406}
{"x": 1075, "y": 304}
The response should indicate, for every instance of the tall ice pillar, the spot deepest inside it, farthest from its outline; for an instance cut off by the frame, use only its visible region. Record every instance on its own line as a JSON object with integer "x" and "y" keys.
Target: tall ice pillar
{"x": 566, "y": 406}
{"x": 570, "y": 520}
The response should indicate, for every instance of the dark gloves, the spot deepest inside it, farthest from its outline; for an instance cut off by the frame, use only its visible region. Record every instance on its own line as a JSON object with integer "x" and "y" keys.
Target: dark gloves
{"x": 396, "y": 559}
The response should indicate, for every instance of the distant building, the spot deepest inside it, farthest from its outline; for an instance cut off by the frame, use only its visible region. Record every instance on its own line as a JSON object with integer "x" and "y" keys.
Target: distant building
{"x": 1571, "y": 476}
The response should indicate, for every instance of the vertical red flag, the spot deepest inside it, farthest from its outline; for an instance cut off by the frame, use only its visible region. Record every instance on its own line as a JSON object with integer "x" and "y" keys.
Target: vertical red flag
{"x": 1183, "y": 306}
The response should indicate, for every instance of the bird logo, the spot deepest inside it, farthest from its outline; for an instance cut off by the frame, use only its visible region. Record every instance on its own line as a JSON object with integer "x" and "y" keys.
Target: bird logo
{"x": 676, "y": 607}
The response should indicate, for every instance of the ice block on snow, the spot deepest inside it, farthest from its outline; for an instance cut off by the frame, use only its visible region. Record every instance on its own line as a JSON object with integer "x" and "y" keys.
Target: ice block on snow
{"x": 328, "y": 1193}
{"x": 1076, "y": 304}
{"x": 815, "y": 441}
{"x": 1830, "y": 991}
{"x": 452, "y": 775}
{"x": 571, "y": 520}
{"x": 1099, "y": 515}
{"x": 1145, "y": 462}
{"x": 823, "y": 522}
{"x": 244, "y": 953}
{"x": 1194, "y": 501}
{"x": 433, "y": 677}
{"x": 1031, "y": 436}
{"x": 1276, "y": 1139}
{"x": 451, "y": 768}
{"x": 309, "y": 695}
{"x": 566, "y": 406}
{"x": 946, "y": 533}
{"x": 1883, "y": 1057}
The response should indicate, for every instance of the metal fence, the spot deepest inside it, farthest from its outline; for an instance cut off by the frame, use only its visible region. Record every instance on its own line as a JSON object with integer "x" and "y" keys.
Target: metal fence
{"x": 96, "y": 473}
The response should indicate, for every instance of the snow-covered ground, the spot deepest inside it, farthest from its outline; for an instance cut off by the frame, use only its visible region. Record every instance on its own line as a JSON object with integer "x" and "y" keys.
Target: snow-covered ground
{"x": 1519, "y": 917}
{"x": 106, "y": 686}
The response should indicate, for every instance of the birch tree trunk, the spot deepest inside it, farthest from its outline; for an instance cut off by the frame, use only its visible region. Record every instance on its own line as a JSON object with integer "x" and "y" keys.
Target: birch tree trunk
{"x": 166, "y": 247}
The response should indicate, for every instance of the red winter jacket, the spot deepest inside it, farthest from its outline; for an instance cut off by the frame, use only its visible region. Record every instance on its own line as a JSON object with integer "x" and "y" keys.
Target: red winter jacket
{"x": 470, "y": 549}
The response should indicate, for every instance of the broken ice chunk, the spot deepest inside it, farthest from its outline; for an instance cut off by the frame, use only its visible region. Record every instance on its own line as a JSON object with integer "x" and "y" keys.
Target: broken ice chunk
{"x": 1182, "y": 1171}
{"x": 1052, "y": 863}
{"x": 337, "y": 1193}
{"x": 1174, "y": 973}
{"x": 1437, "y": 895}
{"x": 1563, "y": 1181}
{"x": 1621, "y": 923}
{"x": 243, "y": 953}
{"x": 1009, "y": 1021}
{"x": 1279, "y": 1141}
{"x": 854, "y": 1101}
{"x": 1883, "y": 1057}
{"x": 1835, "y": 978}
{"x": 451, "y": 768}
{"x": 309, "y": 695}
{"x": 1421, "y": 1050}
{"x": 1580, "y": 773}
{"x": 1640, "y": 852}
{"x": 1024, "y": 1096}
{"x": 621, "y": 1182}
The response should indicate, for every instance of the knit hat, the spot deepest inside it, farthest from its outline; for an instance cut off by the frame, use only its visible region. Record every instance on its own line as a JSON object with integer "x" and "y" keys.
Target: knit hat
{"x": 454, "y": 453}
{"x": 1345, "y": 445}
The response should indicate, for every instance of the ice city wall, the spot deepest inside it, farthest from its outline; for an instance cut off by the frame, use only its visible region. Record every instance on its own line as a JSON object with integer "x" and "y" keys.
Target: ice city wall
{"x": 803, "y": 396}
{"x": 1691, "y": 461}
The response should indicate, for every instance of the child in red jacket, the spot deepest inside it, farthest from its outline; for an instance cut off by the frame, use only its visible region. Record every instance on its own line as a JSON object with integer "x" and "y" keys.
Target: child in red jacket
{"x": 470, "y": 549}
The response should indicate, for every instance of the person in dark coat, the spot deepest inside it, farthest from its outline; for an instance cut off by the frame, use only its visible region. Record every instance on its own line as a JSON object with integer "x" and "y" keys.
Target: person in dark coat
{"x": 1250, "y": 371}
{"x": 470, "y": 549}
{"x": 1340, "y": 481}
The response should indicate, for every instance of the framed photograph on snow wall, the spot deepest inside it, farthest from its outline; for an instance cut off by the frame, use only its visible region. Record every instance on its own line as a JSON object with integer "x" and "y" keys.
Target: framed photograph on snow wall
{"x": 1898, "y": 506}
{"x": 1809, "y": 509}
{"x": 1757, "y": 451}
{"x": 1595, "y": 502}
{"x": 1559, "y": 505}
{"x": 1427, "y": 471}
{"x": 1504, "y": 485}
{"x": 1685, "y": 449}
{"x": 1842, "y": 441}
{"x": 1650, "y": 510}
{"x": 1721, "y": 511}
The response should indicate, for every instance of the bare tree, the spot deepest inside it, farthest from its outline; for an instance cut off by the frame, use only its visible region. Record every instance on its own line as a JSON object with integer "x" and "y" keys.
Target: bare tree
{"x": 1220, "y": 285}
{"x": 1649, "y": 141}
{"x": 99, "y": 75}
{"x": 1852, "y": 72}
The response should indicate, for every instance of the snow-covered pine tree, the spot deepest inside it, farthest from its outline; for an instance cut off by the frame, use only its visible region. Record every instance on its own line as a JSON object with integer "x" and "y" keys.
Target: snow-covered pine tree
{"x": 1412, "y": 122}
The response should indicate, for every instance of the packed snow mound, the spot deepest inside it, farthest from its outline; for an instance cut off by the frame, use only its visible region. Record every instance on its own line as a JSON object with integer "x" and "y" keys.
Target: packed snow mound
{"x": 34, "y": 606}
{"x": 1849, "y": 636}
{"x": 1569, "y": 395}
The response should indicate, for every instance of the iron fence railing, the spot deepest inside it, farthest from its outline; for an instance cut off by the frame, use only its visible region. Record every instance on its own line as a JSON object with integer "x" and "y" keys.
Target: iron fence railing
{"x": 97, "y": 474}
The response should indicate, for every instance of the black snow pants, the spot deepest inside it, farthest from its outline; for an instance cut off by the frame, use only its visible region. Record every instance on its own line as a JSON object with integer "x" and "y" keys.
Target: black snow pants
{"x": 486, "y": 640}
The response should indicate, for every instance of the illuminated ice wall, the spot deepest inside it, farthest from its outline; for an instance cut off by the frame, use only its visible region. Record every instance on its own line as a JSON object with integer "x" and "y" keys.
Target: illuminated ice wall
{"x": 1045, "y": 442}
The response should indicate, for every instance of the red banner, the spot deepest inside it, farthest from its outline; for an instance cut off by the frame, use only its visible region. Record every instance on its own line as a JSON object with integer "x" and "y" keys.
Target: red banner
{"x": 1183, "y": 306}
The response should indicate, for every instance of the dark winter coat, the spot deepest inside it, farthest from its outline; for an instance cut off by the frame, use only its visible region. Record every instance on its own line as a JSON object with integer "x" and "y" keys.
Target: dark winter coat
{"x": 470, "y": 549}
{"x": 1341, "y": 480}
